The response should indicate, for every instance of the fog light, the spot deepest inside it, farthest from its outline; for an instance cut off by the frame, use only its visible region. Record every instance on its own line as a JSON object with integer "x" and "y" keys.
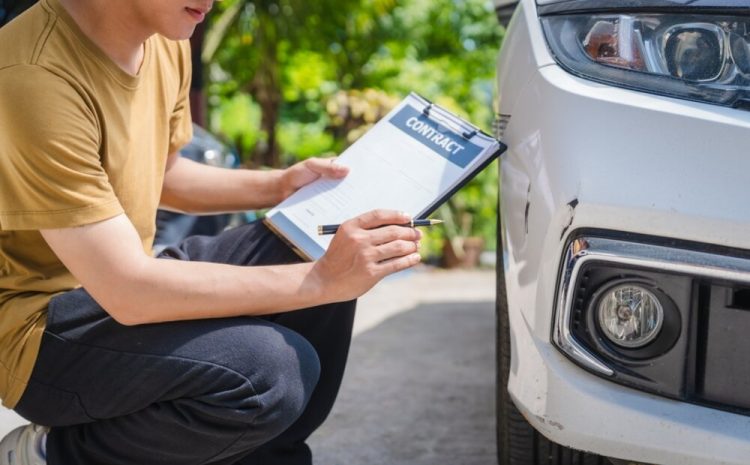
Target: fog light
{"x": 630, "y": 315}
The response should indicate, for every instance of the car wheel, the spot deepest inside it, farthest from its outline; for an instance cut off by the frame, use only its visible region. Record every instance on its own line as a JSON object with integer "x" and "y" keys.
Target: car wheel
{"x": 518, "y": 443}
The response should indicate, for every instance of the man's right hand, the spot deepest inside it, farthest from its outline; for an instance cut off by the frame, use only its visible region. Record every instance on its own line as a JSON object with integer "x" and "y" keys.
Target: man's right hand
{"x": 364, "y": 250}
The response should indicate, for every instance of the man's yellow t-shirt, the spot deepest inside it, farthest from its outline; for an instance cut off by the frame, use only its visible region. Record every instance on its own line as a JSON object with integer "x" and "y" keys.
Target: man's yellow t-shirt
{"x": 81, "y": 141}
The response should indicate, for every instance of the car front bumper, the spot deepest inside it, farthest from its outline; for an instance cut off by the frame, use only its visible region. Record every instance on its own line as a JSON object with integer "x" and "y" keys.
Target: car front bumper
{"x": 580, "y": 410}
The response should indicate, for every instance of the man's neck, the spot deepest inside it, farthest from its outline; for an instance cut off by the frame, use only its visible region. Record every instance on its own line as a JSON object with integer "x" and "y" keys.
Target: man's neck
{"x": 118, "y": 32}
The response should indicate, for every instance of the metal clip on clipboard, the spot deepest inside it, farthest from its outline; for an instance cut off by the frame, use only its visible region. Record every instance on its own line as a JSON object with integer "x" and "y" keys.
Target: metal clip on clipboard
{"x": 448, "y": 119}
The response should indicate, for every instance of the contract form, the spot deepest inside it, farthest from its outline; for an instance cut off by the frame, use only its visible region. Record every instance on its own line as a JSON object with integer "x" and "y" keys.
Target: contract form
{"x": 412, "y": 160}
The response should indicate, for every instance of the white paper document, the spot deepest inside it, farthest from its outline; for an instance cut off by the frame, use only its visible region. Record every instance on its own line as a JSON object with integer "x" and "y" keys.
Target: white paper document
{"x": 412, "y": 160}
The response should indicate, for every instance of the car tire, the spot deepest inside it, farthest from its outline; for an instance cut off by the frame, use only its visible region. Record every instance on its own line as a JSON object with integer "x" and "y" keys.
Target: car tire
{"x": 518, "y": 443}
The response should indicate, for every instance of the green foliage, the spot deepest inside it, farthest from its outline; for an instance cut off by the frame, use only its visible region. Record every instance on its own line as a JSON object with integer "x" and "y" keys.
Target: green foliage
{"x": 238, "y": 118}
{"x": 305, "y": 140}
{"x": 291, "y": 79}
{"x": 308, "y": 77}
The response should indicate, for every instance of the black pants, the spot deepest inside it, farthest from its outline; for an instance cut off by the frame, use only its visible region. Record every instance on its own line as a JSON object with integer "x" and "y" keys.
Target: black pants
{"x": 245, "y": 391}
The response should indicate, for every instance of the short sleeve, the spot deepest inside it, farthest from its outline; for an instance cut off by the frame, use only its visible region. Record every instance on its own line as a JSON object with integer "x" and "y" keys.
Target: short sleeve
{"x": 51, "y": 174}
{"x": 180, "y": 123}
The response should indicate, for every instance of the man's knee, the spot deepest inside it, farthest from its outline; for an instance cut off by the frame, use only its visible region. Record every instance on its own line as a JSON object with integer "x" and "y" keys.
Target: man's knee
{"x": 288, "y": 371}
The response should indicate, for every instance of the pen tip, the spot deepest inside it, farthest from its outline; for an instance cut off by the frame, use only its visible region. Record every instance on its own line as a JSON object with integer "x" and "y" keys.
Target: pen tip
{"x": 436, "y": 221}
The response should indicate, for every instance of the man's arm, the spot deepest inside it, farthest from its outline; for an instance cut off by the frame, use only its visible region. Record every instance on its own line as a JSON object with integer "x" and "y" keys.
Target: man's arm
{"x": 135, "y": 288}
{"x": 193, "y": 187}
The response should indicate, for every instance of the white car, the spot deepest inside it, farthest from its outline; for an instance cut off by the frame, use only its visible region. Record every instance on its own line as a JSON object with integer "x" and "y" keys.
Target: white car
{"x": 624, "y": 286}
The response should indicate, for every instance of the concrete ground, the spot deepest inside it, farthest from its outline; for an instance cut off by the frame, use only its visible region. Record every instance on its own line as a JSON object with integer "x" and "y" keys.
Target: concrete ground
{"x": 419, "y": 386}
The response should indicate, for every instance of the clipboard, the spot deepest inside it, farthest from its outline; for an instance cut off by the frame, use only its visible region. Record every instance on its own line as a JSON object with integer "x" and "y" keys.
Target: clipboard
{"x": 414, "y": 159}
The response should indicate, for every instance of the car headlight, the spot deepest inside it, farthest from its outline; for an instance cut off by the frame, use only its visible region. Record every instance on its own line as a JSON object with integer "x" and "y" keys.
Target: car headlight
{"x": 692, "y": 56}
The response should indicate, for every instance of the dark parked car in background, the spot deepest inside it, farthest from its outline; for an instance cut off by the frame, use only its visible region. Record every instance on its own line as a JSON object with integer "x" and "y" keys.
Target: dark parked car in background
{"x": 173, "y": 227}
{"x": 9, "y": 9}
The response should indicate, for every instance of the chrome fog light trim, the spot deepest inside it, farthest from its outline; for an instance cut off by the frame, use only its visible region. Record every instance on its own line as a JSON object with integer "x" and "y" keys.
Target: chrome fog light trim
{"x": 575, "y": 256}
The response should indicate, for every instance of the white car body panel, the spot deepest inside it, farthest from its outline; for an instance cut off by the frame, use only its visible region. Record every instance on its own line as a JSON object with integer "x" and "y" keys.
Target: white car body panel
{"x": 587, "y": 155}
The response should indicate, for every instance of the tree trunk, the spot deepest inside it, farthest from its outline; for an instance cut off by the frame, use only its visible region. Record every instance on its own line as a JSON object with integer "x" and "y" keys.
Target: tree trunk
{"x": 197, "y": 86}
{"x": 266, "y": 89}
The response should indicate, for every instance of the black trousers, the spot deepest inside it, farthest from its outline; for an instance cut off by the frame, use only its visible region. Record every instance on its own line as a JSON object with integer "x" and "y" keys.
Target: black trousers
{"x": 244, "y": 391}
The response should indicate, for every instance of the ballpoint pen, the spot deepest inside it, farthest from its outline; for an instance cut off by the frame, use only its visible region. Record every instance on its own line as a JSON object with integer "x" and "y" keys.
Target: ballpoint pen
{"x": 332, "y": 228}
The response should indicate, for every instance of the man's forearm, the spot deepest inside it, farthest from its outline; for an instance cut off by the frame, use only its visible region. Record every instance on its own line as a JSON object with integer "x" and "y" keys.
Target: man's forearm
{"x": 192, "y": 187}
{"x": 107, "y": 258}
{"x": 170, "y": 290}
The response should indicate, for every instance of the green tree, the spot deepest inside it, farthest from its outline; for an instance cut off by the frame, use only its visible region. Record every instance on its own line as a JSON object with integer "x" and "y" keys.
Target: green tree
{"x": 267, "y": 47}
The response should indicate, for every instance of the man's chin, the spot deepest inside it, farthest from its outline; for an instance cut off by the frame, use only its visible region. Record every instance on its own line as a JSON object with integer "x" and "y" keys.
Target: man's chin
{"x": 183, "y": 34}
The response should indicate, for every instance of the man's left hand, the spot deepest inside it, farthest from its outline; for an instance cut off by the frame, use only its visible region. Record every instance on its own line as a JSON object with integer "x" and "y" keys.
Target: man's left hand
{"x": 307, "y": 171}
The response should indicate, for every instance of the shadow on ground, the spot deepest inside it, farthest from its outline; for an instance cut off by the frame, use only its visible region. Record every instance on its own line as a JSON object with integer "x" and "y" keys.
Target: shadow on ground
{"x": 419, "y": 390}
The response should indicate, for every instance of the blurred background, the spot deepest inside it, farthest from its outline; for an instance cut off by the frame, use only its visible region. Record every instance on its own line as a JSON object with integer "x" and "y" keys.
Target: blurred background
{"x": 279, "y": 81}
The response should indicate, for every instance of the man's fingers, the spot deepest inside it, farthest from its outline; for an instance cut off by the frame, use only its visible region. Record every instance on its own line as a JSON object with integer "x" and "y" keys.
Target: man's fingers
{"x": 326, "y": 167}
{"x": 393, "y": 233}
{"x": 395, "y": 249}
{"x": 399, "y": 264}
{"x": 377, "y": 218}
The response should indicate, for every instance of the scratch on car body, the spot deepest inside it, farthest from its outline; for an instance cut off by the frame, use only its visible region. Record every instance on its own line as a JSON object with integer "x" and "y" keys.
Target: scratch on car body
{"x": 526, "y": 211}
{"x": 571, "y": 212}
